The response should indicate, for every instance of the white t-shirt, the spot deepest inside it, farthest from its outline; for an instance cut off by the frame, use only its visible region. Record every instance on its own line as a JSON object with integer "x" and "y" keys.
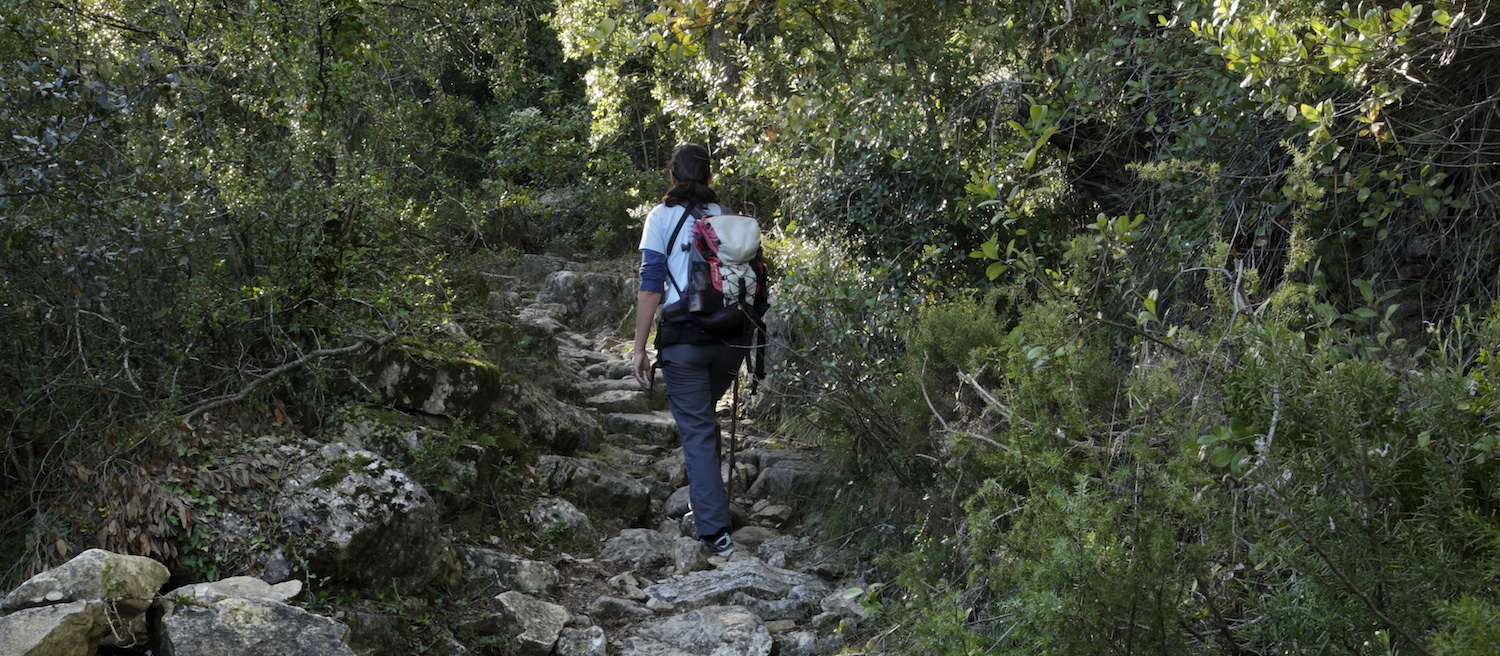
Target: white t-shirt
{"x": 659, "y": 226}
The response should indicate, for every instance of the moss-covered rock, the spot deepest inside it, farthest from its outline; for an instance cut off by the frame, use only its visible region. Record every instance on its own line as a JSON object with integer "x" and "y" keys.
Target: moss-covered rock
{"x": 413, "y": 376}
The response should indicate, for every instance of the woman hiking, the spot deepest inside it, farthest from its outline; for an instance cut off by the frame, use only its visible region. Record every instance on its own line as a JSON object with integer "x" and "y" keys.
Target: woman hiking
{"x": 698, "y": 366}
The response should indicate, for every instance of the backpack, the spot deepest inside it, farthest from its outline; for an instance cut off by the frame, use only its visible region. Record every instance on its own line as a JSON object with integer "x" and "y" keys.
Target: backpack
{"x": 728, "y": 290}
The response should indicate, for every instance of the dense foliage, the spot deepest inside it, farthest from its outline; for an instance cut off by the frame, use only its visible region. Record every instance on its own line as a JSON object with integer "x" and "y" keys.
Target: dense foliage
{"x": 1229, "y": 391}
{"x": 1140, "y": 327}
{"x": 197, "y": 197}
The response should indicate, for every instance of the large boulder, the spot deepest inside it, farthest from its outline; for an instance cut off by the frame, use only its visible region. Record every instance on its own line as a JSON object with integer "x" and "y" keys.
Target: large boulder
{"x": 355, "y": 519}
{"x": 65, "y": 629}
{"x": 123, "y": 586}
{"x": 594, "y": 485}
{"x": 592, "y": 300}
{"x": 92, "y": 575}
{"x": 250, "y": 627}
{"x": 711, "y": 631}
{"x": 414, "y": 377}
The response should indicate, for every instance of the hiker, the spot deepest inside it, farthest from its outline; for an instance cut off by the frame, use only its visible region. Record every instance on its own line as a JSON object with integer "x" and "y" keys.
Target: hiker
{"x": 698, "y": 367}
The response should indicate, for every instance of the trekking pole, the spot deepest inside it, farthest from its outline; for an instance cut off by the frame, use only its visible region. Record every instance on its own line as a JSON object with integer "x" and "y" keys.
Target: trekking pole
{"x": 734, "y": 424}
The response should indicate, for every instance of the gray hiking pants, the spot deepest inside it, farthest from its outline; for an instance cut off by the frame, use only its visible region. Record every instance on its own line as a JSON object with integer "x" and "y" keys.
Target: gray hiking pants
{"x": 696, "y": 377}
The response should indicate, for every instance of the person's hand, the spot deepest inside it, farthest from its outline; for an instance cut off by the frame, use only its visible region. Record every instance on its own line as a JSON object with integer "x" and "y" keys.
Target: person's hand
{"x": 641, "y": 366}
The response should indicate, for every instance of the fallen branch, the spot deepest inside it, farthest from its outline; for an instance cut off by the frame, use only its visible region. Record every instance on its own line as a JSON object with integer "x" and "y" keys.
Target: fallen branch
{"x": 365, "y": 342}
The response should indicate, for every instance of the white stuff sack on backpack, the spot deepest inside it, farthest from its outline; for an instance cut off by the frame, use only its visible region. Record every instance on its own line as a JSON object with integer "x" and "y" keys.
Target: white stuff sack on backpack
{"x": 739, "y": 241}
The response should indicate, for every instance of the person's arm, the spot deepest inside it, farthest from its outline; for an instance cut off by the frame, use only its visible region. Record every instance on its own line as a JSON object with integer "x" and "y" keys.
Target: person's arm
{"x": 647, "y": 300}
{"x": 646, "y": 303}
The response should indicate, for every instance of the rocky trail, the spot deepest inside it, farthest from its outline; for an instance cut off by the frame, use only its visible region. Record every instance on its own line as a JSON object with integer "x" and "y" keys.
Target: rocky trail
{"x": 652, "y": 589}
{"x": 624, "y": 575}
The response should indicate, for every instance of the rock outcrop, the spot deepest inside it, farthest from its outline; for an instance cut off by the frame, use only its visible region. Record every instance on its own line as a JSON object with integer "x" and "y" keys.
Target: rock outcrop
{"x": 355, "y": 519}
{"x": 250, "y": 627}
{"x": 104, "y": 598}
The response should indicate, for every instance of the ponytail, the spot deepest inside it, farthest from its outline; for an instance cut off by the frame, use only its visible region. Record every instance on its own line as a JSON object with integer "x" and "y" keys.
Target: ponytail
{"x": 691, "y": 172}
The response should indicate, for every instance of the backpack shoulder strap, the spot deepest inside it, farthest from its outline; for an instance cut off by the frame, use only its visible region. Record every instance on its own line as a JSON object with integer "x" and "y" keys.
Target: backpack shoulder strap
{"x": 672, "y": 243}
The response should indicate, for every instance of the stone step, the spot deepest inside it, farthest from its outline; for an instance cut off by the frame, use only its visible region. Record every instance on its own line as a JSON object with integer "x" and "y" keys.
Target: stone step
{"x": 611, "y": 370}
{"x": 619, "y": 401}
{"x": 585, "y": 357}
{"x": 654, "y": 428}
{"x": 590, "y": 388}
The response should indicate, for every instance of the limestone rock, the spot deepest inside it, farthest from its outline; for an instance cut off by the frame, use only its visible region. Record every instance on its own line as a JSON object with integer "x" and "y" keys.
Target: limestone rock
{"x": 510, "y": 572}
{"x": 626, "y": 583}
{"x": 541, "y": 319}
{"x": 92, "y": 575}
{"x": 616, "y": 609}
{"x": 250, "y": 627}
{"x": 582, "y": 642}
{"x": 799, "y": 604}
{"x": 679, "y": 503}
{"x": 537, "y": 624}
{"x": 655, "y": 428}
{"x": 807, "y": 643}
{"x": 64, "y": 629}
{"x": 125, "y": 584}
{"x": 586, "y": 389}
{"x": 774, "y": 514}
{"x": 751, "y": 537}
{"x": 550, "y": 423}
{"x": 786, "y": 475}
{"x": 592, "y": 300}
{"x": 235, "y": 587}
{"x": 358, "y": 520}
{"x": 558, "y": 516}
{"x": 623, "y": 401}
{"x": 747, "y": 575}
{"x": 711, "y": 631}
{"x": 536, "y": 267}
{"x": 689, "y": 555}
{"x": 847, "y": 602}
{"x": 594, "y": 485}
{"x": 641, "y": 548}
{"x": 581, "y": 355}
{"x": 785, "y": 551}
{"x": 412, "y": 377}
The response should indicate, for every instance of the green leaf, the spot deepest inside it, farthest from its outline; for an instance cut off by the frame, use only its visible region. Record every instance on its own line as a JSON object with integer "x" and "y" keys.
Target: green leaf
{"x": 995, "y": 269}
{"x": 1222, "y": 456}
{"x": 991, "y": 248}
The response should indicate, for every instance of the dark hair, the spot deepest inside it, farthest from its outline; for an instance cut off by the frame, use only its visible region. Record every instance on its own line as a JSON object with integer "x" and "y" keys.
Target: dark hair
{"x": 691, "y": 171}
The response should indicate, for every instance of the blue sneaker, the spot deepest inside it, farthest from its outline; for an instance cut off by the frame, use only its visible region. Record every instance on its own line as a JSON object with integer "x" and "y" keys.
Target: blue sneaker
{"x": 721, "y": 546}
